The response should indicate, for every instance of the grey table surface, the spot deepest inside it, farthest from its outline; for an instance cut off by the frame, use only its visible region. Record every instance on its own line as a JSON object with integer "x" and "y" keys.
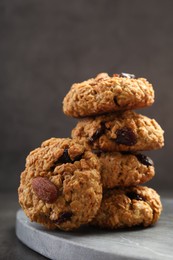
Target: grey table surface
{"x": 10, "y": 247}
{"x": 155, "y": 243}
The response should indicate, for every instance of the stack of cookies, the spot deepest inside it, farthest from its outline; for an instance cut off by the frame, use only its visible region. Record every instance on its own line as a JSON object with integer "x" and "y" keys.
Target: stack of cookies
{"x": 94, "y": 176}
{"x": 116, "y": 134}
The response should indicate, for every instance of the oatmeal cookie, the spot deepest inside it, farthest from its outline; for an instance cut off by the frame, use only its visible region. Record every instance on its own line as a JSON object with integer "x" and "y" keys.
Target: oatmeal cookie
{"x": 125, "y": 169}
{"x": 105, "y": 94}
{"x": 60, "y": 186}
{"x": 121, "y": 131}
{"x": 128, "y": 207}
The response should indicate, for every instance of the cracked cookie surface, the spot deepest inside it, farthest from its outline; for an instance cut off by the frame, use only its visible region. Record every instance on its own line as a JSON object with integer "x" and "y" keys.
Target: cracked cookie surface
{"x": 133, "y": 206}
{"x": 105, "y": 94}
{"x": 121, "y": 131}
{"x": 60, "y": 186}
{"x": 125, "y": 169}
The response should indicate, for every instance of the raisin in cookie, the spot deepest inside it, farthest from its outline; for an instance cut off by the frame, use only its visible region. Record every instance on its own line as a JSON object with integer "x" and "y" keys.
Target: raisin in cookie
{"x": 60, "y": 186}
{"x": 121, "y": 131}
{"x": 125, "y": 169}
{"x": 128, "y": 207}
{"x": 105, "y": 94}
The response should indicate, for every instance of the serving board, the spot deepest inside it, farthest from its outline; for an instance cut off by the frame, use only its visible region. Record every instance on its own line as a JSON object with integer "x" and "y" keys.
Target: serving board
{"x": 89, "y": 243}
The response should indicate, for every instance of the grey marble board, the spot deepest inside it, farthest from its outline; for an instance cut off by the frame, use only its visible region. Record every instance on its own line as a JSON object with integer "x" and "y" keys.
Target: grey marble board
{"x": 90, "y": 243}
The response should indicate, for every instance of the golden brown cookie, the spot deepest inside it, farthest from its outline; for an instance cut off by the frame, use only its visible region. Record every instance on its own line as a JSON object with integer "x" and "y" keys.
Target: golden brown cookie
{"x": 128, "y": 207}
{"x": 125, "y": 169}
{"x": 121, "y": 131}
{"x": 60, "y": 186}
{"x": 105, "y": 94}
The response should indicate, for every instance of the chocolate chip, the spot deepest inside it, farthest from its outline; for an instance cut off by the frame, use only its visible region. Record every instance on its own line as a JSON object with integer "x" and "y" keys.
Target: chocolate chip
{"x": 77, "y": 158}
{"x": 97, "y": 152}
{"x": 133, "y": 196}
{"x": 64, "y": 216}
{"x": 116, "y": 102}
{"x": 126, "y": 152}
{"x": 144, "y": 159}
{"x": 127, "y": 75}
{"x": 126, "y": 136}
{"x": 98, "y": 133}
{"x": 65, "y": 158}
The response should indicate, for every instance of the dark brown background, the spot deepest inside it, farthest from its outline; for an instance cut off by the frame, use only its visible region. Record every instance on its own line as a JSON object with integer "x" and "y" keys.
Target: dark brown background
{"x": 45, "y": 46}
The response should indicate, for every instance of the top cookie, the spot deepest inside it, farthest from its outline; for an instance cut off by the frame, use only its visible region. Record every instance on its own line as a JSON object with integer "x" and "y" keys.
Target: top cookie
{"x": 105, "y": 94}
